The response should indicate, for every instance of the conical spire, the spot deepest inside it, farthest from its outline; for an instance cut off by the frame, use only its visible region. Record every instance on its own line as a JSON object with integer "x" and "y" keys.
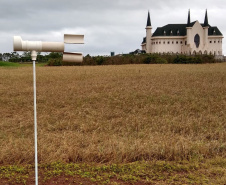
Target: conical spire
{"x": 149, "y": 20}
{"x": 206, "y": 20}
{"x": 189, "y": 18}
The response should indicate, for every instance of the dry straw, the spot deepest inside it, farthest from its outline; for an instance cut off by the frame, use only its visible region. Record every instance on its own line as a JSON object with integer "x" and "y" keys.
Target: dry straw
{"x": 114, "y": 113}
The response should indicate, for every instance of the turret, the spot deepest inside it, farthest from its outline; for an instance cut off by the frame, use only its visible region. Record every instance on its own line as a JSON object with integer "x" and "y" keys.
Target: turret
{"x": 205, "y": 28}
{"x": 206, "y": 24}
{"x": 189, "y": 19}
{"x": 188, "y": 29}
{"x": 148, "y": 34}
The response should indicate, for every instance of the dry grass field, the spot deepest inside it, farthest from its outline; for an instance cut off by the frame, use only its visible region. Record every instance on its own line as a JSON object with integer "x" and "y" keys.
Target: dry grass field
{"x": 114, "y": 114}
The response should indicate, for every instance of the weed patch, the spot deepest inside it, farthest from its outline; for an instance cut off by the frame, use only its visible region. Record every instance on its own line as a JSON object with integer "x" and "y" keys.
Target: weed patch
{"x": 158, "y": 172}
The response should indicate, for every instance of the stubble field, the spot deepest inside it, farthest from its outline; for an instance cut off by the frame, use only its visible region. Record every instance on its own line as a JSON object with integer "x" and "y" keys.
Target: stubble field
{"x": 114, "y": 114}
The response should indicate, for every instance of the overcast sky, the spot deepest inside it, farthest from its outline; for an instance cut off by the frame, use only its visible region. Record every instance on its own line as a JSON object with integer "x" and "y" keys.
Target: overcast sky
{"x": 108, "y": 25}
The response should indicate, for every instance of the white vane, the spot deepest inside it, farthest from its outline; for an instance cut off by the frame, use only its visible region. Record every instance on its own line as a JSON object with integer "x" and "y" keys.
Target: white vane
{"x": 39, "y": 46}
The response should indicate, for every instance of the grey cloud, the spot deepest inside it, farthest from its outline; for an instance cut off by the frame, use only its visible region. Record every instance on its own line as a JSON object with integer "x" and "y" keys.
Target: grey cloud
{"x": 108, "y": 25}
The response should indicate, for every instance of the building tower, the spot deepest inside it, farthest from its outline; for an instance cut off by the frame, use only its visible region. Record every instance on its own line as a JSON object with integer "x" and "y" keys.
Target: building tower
{"x": 189, "y": 19}
{"x": 148, "y": 34}
{"x": 205, "y": 28}
{"x": 189, "y": 28}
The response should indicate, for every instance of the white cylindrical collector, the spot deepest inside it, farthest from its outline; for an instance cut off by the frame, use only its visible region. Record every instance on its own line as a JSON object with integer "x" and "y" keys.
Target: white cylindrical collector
{"x": 20, "y": 45}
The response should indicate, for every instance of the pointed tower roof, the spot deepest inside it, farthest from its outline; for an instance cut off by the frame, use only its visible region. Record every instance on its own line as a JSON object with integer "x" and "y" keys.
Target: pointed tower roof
{"x": 206, "y": 20}
{"x": 189, "y": 19}
{"x": 149, "y": 20}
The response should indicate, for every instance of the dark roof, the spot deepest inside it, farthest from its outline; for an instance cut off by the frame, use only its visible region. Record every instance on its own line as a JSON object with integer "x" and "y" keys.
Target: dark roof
{"x": 171, "y": 30}
{"x": 148, "y": 20}
{"x": 180, "y": 30}
{"x": 191, "y": 24}
{"x": 213, "y": 30}
{"x": 189, "y": 18}
{"x": 144, "y": 40}
{"x": 206, "y": 20}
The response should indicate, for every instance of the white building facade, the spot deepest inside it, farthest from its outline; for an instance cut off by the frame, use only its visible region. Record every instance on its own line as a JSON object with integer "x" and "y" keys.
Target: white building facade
{"x": 189, "y": 39}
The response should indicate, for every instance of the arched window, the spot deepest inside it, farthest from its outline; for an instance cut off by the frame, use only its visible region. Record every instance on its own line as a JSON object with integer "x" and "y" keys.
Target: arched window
{"x": 197, "y": 40}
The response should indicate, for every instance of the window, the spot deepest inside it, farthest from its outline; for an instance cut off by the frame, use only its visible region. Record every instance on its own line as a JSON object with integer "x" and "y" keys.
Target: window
{"x": 178, "y": 32}
{"x": 197, "y": 40}
{"x": 181, "y": 42}
{"x": 159, "y": 42}
{"x": 168, "y": 42}
{"x": 171, "y": 32}
{"x": 214, "y": 41}
{"x": 172, "y": 42}
{"x": 177, "y": 42}
{"x": 210, "y": 42}
{"x": 185, "y": 42}
{"x": 164, "y": 42}
{"x": 164, "y": 33}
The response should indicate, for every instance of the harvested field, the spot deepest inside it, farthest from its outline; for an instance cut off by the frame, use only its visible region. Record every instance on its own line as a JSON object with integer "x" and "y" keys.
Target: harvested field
{"x": 114, "y": 114}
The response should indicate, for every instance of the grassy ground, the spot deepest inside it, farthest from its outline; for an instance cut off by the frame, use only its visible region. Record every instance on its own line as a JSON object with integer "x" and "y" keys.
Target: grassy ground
{"x": 11, "y": 64}
{"x": 8, "y": 64}
{"x": 137, "y": 173}
{"x": 115, "y": 114}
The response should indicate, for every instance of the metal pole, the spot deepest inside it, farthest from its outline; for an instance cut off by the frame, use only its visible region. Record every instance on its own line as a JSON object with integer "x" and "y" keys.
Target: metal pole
{"x": 35, "y": 125}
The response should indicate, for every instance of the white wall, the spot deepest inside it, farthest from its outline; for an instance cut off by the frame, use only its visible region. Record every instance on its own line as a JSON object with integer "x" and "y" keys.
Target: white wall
{"x": 172, "y": 44}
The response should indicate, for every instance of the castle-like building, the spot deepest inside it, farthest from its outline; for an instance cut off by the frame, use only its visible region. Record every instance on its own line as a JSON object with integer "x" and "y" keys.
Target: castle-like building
{"x": 191, "y": 38}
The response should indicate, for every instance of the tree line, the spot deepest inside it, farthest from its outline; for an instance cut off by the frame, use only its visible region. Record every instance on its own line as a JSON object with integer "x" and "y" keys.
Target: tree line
{"x": 55, "y": 59}
{"x": 144, "y": 59}
{"x": 26, "y": 57}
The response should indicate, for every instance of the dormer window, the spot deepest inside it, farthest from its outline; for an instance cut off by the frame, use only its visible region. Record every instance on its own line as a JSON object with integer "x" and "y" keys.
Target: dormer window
{"x": 171, "y": 32}
{"x": 214, "y": 32}
{"x": 164, "y": 33}
{"x": 178, "y": 32}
